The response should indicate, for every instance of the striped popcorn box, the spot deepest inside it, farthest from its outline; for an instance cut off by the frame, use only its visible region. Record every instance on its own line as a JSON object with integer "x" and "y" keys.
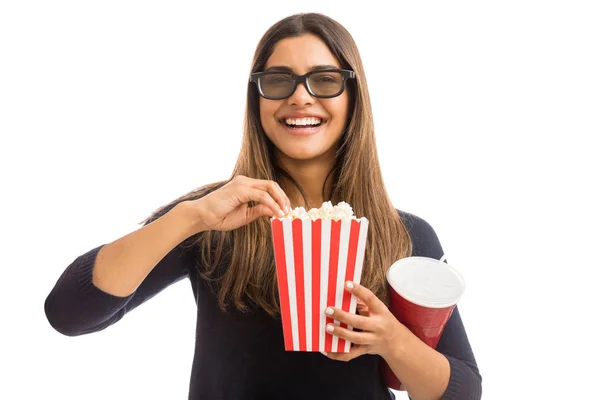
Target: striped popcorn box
{"x": 314, "y": 258}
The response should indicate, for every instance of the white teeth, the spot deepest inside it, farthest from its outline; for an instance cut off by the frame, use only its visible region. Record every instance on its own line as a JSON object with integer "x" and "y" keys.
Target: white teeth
{"x": 303, "y": 121}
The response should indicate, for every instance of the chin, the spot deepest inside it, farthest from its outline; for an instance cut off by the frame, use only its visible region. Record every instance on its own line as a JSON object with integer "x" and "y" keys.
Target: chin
{"x": 302, "y": 155}
{"x": 299, "y": 153}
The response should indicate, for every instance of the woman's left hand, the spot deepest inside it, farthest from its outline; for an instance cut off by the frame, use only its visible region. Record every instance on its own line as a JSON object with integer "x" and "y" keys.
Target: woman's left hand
{"x": 381, "y": 332}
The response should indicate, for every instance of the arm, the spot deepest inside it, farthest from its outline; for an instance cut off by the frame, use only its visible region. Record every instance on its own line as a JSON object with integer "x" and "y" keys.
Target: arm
{"x": 453, "y": 362}
{"x": 449, "y": 372}
{"x": 99, "y": 287}
{"x": 122, "y": 265}
{"x": 102, "y": 285}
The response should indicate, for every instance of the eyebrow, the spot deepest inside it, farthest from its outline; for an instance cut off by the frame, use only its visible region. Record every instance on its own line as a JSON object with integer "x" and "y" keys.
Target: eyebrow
{"x": 288, "y": 69}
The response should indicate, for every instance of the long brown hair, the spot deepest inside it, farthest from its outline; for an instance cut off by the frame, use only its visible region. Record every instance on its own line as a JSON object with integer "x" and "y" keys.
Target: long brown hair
{"x": 240, "y": 263}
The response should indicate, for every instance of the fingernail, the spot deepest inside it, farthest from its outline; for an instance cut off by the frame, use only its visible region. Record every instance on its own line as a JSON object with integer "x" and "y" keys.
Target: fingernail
{"x": 323, "y": 353}
{"x": 329, "y": 311}
{"x": 349, "y": 285}
{"x": 329, "y": 328}
{"x": 288, "y": 208}
{"x": 281, "y": 213}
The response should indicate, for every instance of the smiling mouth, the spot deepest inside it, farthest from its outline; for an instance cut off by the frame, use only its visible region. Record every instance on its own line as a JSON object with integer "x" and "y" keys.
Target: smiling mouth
{"x": 302, "y": 123}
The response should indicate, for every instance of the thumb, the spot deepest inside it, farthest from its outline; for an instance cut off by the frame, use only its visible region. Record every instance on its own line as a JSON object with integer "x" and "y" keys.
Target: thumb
{"x": 259, "y": 210}
{"x": 362, "y": 308}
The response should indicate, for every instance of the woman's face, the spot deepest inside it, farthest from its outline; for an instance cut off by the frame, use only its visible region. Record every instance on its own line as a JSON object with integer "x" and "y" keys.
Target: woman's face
{"x": 284, "y": 120}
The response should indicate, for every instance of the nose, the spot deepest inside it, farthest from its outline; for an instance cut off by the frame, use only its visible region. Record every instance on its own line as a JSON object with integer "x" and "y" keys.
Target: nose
{"x": 301, "y": 97}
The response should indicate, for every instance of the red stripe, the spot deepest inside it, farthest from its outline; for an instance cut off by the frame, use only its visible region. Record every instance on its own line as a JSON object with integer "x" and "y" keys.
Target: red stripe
{"x": 334, "y": 251}
{"x": 350, "y": 264}
{"x": 316, "y": 283}
{"x": 284, "y": 299}
{"x": 299, "y": 270}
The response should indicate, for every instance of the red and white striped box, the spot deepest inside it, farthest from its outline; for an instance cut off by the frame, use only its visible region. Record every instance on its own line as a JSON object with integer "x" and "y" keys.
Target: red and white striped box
{"x": 314, "y": 259}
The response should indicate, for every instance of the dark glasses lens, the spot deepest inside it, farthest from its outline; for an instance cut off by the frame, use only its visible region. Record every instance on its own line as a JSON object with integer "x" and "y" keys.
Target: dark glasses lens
{"x": 279, "y": 85}
{"x": 326, "y": 83}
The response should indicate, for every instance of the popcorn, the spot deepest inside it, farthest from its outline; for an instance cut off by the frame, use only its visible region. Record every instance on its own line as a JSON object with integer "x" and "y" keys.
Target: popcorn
{"x": 327, "y": 211}
{"x": 316, "y": 252}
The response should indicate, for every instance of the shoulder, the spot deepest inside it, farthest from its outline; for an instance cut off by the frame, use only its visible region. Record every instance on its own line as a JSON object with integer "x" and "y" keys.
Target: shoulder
{"x": 425, "y": 241}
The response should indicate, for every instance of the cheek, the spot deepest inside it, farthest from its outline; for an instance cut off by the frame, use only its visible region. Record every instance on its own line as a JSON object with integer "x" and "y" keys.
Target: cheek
{"x": 267, "y": 112}
{"x": 267, "y": 107}
{"x": 338, "y": 108}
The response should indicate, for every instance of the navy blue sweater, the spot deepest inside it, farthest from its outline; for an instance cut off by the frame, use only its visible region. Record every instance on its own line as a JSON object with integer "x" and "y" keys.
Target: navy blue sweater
{"x": 241, "y": 356}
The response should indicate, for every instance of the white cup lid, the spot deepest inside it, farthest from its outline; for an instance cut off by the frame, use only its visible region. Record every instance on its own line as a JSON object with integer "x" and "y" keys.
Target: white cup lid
{"x": 426, "y": 281}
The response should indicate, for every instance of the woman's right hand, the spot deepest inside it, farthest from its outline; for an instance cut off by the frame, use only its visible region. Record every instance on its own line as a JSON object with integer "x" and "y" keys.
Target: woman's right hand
{"x": 227, "y": 208}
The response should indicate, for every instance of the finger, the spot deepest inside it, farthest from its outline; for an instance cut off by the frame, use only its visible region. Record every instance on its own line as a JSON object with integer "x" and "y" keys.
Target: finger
{"x": 357, "y": 321}
{"x": 275, "y": 191}
{"x": 351, "y": 336}
{"x": 362, "y": 293}
{"x": 265, "y": 198}
{"x": 271, "y": 187}
{"x": 355, "y": 351}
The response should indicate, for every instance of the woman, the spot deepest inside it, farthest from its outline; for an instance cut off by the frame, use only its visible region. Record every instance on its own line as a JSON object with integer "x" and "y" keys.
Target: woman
{"x": 308, "y": 138}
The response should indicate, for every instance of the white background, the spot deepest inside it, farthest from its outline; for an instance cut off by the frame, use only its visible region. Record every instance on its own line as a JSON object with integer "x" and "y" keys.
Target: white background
{"x": 485, "y": 118}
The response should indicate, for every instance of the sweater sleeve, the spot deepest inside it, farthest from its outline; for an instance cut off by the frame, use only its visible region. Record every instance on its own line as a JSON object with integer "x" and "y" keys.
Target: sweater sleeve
{"x": 465, "y": 379}
{"x": 75, "y": 306}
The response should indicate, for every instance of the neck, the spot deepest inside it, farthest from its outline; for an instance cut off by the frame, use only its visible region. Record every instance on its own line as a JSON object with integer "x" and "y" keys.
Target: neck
{"x": 310, "y": 175}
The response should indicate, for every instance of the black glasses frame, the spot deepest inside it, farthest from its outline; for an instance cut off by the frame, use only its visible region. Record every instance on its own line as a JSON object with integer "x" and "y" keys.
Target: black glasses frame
{"x": 345, "y": 73}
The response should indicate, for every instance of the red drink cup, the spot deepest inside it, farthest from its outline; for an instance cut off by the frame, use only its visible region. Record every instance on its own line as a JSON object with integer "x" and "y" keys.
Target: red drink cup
{"x": 423, "y": 294}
